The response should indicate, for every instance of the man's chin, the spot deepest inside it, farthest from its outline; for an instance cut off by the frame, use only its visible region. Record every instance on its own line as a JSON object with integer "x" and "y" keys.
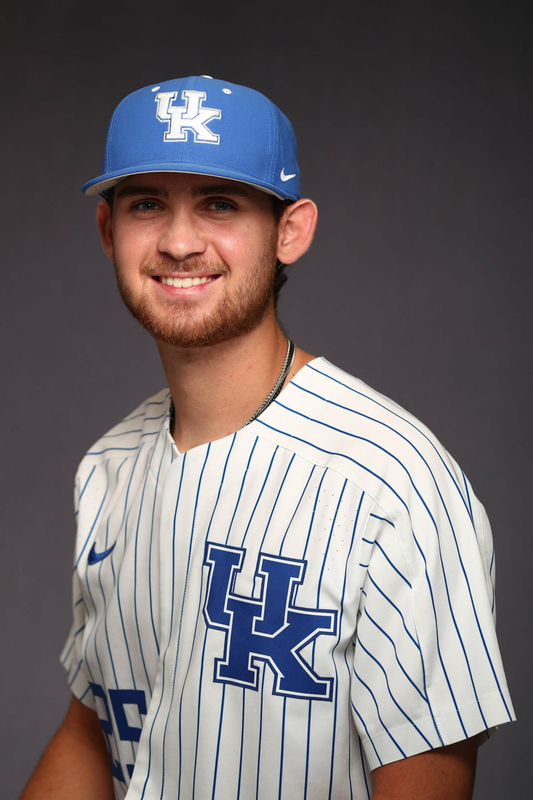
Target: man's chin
{"x": 194, "y": 325}
{"x": 207, "y": 332}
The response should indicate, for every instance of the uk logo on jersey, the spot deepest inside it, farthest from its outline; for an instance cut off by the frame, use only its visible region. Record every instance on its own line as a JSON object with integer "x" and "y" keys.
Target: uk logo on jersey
{"x": 192, "y": 116}
{"x": 271, "y": 629}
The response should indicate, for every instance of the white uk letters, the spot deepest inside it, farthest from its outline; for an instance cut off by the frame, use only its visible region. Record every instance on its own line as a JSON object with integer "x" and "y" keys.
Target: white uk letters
{"x": 190, "y": 117}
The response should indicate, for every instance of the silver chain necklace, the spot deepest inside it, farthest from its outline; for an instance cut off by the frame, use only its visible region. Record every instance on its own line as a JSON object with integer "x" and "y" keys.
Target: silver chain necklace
{"x": 287, "y": 364}
{"x": 278, "y": 386}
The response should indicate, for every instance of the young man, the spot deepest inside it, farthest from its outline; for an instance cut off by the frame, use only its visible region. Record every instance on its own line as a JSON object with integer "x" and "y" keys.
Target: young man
{"x": 282, "y": 581}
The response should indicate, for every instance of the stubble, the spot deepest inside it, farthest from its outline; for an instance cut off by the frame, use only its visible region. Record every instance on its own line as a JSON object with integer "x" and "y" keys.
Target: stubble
{"x": 182, "y": 322}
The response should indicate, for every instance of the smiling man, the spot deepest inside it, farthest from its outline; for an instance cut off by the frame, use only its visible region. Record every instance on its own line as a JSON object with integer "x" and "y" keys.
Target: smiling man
{"x": 283, "y": 583}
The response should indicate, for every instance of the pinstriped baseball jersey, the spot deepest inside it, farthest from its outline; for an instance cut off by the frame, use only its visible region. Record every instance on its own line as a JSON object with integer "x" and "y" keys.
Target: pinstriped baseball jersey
{"x": 278, "y": 612}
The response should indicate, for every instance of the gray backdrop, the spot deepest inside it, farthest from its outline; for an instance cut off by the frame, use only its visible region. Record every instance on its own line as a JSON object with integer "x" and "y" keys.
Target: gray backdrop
{"x": 414, "y": 122}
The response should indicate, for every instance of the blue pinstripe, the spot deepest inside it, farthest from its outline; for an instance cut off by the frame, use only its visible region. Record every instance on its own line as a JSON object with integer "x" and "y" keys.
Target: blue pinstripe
{"x": 395, "y": 568}
{"x": 406, "y": 629}
{"x": 241, "y": 488}
{"x": 198, "y": 613}
{"x": 260, "y": 735}
{"x": 296, "y": 509}
{"x": 82, "y": 492}
{"x": 242, "y": 744}
{"x": 311, "y": 521}
{"x": 168, "y": 646}
{"x": 151, "y": 547}
{"x": 281, "y": 749}
{"x": 363, "y": 764}
{"x": 199, "y": 706}
{"x": 341, "y": 613}
{"x": 135, "y": 571}
{"x": 274, "y": 504}
{"x": 218, "y": 740}
{"x": 367, "y": 733}
{"x": 222, "y": 483}
{"x": 243, "y": 540}
{"x": 389, "y": 734}
{"x": 125, "y": 520}
{"x": 391, "y": 640}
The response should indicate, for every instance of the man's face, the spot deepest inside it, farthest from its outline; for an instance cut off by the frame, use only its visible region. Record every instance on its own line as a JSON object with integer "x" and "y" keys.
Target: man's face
{"x": 195, "y": 256}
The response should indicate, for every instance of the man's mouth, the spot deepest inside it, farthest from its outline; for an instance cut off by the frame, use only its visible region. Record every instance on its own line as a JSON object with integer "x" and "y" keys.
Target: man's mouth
{"x": 185, "y": 283}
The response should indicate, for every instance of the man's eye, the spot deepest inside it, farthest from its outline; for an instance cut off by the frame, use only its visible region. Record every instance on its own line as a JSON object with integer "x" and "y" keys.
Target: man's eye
{"x": 220, "y": 206}
{"x": 146, "y": 205}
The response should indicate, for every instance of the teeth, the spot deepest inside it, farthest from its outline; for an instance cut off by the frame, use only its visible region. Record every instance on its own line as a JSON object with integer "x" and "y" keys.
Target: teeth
{"x": 185, "y": 283}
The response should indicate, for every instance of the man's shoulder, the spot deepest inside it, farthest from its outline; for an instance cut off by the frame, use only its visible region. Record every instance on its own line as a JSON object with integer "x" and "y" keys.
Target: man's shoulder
{"x": 141, "y": 425}
{"x": 337, "y": 385}
{"x": 336, "y": 420}
{"x": 331, "y": 398}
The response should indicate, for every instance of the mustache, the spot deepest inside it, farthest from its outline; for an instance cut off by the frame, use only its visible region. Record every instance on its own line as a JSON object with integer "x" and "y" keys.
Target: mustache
{"x": 193, "y": 264}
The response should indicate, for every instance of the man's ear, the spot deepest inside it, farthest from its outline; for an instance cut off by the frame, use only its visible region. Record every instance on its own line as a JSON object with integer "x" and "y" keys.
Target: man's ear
{"x": 296, "y": 230}
{"x": 103, "y": 220}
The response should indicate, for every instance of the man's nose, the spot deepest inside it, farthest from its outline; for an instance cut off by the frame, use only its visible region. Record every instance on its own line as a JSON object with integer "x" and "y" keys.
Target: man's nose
{"x": 182, "y": 237}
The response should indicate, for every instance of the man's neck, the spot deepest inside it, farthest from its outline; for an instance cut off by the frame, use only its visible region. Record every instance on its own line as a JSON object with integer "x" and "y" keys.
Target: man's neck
{"x": 217, "y": 389}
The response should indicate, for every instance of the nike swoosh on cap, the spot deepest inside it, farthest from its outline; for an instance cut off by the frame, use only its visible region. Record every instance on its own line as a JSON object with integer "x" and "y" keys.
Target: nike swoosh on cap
{"x": 286, "y": 177}
{"x": 94, "y": 557}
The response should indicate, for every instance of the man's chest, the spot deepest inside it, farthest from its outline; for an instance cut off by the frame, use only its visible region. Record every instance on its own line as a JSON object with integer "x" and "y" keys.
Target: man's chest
{"x": 246, "y": 554}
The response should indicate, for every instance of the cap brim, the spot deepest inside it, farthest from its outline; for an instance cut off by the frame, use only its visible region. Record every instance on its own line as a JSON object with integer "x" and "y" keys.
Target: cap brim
{"x": 99, "y": 185}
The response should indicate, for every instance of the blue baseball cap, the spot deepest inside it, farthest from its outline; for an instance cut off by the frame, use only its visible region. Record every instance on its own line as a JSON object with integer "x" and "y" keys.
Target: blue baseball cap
{"x": 203, "y": 126}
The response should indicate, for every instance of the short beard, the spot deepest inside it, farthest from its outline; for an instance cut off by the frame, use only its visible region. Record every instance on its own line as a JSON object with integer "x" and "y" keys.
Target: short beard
{"x": 234, "y": 315}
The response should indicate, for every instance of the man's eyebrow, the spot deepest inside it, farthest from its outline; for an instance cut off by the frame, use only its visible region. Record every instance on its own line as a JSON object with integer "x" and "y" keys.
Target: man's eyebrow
{"x": 204, "y": 190}
{"x": 229, "y": 190}
{"x": 136, "y": 189}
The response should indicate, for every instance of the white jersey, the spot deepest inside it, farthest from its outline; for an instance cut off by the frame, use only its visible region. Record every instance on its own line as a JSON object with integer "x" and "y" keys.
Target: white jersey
{"x": 278, "y": 612}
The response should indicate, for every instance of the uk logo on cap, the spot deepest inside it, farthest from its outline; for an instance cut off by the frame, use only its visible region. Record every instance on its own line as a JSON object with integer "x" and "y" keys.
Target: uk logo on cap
{"x": 191, "y": 117}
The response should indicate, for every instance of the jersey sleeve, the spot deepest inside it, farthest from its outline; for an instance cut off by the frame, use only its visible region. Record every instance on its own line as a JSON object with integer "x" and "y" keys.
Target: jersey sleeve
{"x": 71, "y": 655}
{"x": 427, "y": 668}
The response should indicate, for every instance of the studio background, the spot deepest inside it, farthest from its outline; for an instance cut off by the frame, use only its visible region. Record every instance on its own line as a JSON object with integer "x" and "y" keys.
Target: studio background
{"x": 414, "y": 125}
